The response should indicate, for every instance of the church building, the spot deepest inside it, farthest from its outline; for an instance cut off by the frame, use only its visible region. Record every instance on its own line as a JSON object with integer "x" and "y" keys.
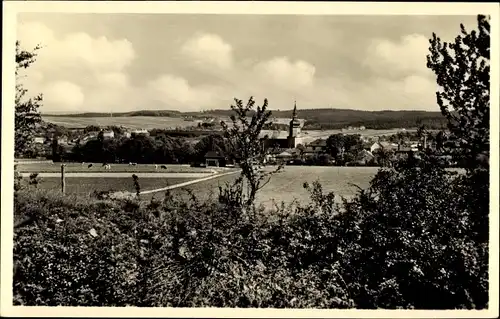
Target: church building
{"x": 283, "y": 139}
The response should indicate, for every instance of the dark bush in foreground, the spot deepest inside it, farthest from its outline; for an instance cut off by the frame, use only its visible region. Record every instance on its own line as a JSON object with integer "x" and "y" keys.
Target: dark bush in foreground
{"x": 423, "y": 245}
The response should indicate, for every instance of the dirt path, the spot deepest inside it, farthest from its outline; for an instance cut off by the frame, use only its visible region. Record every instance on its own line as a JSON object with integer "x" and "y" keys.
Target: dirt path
{"x": 188, "y": 183}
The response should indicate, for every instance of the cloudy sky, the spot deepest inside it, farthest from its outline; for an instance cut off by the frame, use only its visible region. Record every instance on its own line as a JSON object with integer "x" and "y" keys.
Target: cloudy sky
{"x": 122, "y": 62}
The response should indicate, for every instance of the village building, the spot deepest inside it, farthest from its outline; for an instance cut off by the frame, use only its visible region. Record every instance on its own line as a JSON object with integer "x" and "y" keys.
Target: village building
{"x": 383, "y": 145}
{"x": 108, "y": 134}
{"x": 143, "y": 132}
{"x": 365, "y": 157}
{"x": 39, "y": 140}
{"x": 213, "y": 158}
{"x": 282, "y": 139}
{"x": 318, "y": 145}
{"x": 62, "y": 140}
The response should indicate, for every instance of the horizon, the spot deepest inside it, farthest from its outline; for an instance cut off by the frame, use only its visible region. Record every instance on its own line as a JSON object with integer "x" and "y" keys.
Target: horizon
{"x": 69, "y": 113}
{"x": 91, "y": 62}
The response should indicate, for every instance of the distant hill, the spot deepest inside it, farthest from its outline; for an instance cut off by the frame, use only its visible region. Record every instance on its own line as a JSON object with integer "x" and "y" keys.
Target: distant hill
{"x": 162, "y": 113}
{"x": 315, "y": 118}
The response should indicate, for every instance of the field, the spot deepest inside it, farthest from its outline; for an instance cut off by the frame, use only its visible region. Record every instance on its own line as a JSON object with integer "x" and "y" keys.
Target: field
{"x": 160, "y": 122}
{"x": 97, "y": 167}
{"x": 87, "y": 185}
{"x": 133, "y": 122}
{"x": 288, "y": 185}
{"x": 81, "y": 180}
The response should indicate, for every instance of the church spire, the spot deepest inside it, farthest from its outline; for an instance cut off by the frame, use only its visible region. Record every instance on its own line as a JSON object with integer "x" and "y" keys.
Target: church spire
{"x": 295, "y": 110}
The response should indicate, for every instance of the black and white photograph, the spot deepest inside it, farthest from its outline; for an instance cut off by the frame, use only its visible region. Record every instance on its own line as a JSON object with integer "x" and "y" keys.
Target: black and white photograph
{"x": 291, "y": 159}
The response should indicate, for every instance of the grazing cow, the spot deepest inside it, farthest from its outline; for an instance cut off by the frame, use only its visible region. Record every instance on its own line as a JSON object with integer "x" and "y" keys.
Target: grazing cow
{"x": 90, "y": 165}
{"x": 156, "y": 166}
{"x": 164, "y": 166}
{"x": 104, "y": 164}
{"x": 108, "y": 166}
{"x": 134, "y": 164}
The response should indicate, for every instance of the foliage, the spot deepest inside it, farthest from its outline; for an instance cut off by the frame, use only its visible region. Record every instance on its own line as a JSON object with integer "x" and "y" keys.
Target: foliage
{"x": 417, "y": 238}
{"x": 245, "y": 145}
{"x": 463, "y": 73}
{"x": 341, "y": 146}
{"x": 27, "y": 115}
{"x": 137, "y": 186}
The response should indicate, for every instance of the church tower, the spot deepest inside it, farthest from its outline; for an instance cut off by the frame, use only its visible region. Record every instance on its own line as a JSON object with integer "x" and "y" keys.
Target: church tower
{"x": 294, "y": 128}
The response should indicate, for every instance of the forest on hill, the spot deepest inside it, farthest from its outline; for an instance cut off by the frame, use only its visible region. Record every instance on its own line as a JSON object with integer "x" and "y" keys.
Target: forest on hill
{"x": 315, "y": 118}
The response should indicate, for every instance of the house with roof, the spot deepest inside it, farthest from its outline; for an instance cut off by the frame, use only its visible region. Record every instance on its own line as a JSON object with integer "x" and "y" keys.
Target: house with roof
{"x": 318, "y": 145}
{"x": 214, "y": 158}
{"x": 364, "y": 157}
{"x": 383, "y": 145}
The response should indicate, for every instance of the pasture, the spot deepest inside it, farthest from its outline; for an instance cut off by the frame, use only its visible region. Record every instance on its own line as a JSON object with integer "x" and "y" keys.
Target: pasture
{"x": 132, "y": 122}
{"x": 115, "y": 168}
{"x": 85, "y": 186}
{"x": 288, "y": 184}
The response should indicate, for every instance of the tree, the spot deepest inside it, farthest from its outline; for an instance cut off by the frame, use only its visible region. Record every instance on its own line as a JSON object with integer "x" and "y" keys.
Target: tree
{"x": 245, "y": 145}
{"x": 420, "y": 227}
{"x": 462, "y": 69}
{"x": 334, "y": 145}
{"x": 27, "y": 115}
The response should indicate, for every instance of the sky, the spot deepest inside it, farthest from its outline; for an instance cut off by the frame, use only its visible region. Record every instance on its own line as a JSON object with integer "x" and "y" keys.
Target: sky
{"x": 193, "y": 62}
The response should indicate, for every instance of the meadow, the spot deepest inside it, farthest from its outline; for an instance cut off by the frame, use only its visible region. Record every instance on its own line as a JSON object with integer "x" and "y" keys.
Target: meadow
{"x": 97, "y": 167}
{"x": 133, "y": 122}
{"x": 288, "y": 185}
{"x": 84, "y": 186}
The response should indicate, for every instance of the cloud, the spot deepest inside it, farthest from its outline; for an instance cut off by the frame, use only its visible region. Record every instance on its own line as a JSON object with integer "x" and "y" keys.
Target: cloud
{"x": 286, "y": 74}
{"x": 176, "y": 91}
{"x": 64, "y": 95}
{"x": 403, "y": 57}
{"x": 206, "y": 48}
{"x": 75, "y": 51}
{"x": 80, "y": 72}
{"x": 72, "y": 69}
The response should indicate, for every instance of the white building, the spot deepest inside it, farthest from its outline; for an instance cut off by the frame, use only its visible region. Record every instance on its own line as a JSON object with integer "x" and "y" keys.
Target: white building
{"x": 109, "y": 134}
{"x": 140, "y": 132}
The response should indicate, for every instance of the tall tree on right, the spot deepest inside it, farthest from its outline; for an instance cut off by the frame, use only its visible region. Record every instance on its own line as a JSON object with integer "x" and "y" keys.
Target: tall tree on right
{"x": 462, "y": 70}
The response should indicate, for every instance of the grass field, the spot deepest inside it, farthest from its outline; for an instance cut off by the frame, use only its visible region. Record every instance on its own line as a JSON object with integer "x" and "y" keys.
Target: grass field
{"x": 97, "y": 167}
{"x": 87, "y": 185}
{"x": 155, "y": 122}
{"x": 134, "y": 122}
{"x": 288, "y": 185}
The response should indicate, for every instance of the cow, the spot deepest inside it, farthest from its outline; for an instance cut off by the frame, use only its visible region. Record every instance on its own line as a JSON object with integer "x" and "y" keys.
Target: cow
{"x": 156, "y": 166}
{"x": 108, "y": 166}
{"x": 104, "y": 164}
{"x": 164, "y": 166}
{"x": 89, "y": 166}
{"x": 83, "y": 163}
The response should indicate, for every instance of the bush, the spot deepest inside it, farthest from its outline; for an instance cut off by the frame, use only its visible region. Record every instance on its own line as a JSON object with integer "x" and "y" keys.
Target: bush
{"x": 417, "y": 228}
